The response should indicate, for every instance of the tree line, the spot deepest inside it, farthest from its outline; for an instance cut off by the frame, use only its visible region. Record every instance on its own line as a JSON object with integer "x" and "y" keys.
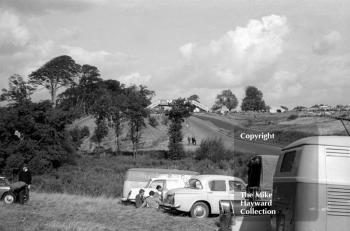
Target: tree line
{"x": 35, "y": 132}
{"x": 253, "y": 100}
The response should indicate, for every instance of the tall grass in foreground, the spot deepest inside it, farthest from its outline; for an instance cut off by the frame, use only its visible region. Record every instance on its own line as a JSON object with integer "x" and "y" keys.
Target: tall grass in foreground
{"x": 53, "y": 212}
{"x": 104, "y": 176}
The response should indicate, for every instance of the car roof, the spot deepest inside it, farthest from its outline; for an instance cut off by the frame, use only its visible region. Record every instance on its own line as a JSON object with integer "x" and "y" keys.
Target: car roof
{"x": 321, "y": 140}
{"x": 216, "y": 177}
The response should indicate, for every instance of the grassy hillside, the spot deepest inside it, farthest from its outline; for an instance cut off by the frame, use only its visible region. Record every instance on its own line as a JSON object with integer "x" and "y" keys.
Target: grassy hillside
{"x": 63, "y": 212}
{"x": 154, "y": 138}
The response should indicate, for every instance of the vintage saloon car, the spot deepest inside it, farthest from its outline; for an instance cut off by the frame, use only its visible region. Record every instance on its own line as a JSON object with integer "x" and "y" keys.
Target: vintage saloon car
{"x": 202, "y": 196}
{"x": 5, "y": 193}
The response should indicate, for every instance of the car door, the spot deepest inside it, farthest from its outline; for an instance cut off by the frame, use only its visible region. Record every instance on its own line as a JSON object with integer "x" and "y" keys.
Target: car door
{"x": 218, "y": 190}
{"x": 236, "y": 190}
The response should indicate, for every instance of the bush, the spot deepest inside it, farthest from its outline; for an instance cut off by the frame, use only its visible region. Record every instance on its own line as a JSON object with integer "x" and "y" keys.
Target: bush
{"x": 292, "y": 117}
{"x": 153, "y": 121}
{"x": 77, "y": 134}
{"x": 213, "y": 149}
{"x": 165, "y": 120}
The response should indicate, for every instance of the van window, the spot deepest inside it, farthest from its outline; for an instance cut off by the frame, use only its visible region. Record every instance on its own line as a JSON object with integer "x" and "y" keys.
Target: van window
{"x": 288, "y": 161}
{"x": 217, "y": 185}
{"x": 155, "y": 183}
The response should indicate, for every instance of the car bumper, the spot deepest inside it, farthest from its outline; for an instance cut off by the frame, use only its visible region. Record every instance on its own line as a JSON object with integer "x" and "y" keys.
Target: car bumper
{"x": 128, "y": 200}
{"x": 170, "y": 206}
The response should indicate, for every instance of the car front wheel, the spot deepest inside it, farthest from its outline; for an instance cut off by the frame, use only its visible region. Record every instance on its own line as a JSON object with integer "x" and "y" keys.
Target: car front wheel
{"x": 9, "y": 198}
{"x": 200, "y": 210}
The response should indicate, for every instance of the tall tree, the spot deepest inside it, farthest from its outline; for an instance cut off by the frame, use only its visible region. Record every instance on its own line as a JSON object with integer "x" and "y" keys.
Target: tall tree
{"x": 253, "y": 100}
{"x": 58, "y": 72}
{"x": 118, "y": 102}
{"x": 136, "y": 111}
{"x": 180, "y": 109}
{"x": 19, "y": 91}
{"x": 101, "y": 131}
{"x": 227, "y": 99}
{"x": 100, "y": 111}
{"x": 81, "y": 97}
{"x": 117, "y": 117}
{"x": 194, "y": 97}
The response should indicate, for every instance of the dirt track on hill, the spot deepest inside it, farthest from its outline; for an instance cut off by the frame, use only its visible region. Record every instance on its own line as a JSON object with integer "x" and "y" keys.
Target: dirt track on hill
{"x": 204, "y": 126}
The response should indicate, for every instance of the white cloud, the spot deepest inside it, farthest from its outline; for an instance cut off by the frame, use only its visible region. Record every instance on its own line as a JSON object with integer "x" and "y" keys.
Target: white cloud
{"x": 282, "y": 86}
{"x": 84, "y": 56}
{"x": 110, "y": 63}
{"x": 187, "y": 49}
{"x": 134, "y": 79}
{"x": 237, "y": 56}
{"x": 13, "y": 34}
{"x": 327, "y": 43}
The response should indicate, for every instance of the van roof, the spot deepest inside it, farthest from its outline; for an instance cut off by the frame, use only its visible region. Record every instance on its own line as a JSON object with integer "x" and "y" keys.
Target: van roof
{"x": 216, "y": 177}
{"x": 343, "y": 141}
{"x": 162, "y": 170}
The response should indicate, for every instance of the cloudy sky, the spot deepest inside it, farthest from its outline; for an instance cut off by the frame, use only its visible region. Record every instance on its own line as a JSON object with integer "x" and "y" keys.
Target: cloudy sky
{"x": 297, "y": 52}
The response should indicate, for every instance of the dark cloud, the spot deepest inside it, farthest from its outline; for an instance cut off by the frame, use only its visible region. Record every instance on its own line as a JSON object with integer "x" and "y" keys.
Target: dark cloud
{"x": 47, "y": 6}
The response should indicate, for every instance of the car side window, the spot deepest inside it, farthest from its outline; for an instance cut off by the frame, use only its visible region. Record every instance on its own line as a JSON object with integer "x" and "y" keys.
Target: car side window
{"x": 217, "y": 185}
{"x": 2, "y": 182}
{"x": 236, "y": 186}
{"x": 155, "y": 183}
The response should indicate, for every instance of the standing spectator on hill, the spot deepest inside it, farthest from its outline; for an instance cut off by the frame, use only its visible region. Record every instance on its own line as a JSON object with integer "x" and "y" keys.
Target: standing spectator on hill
{"x": 189, "y": 140}
{"x": 194, "y": 142}
{"x": 151, "y": 201}
{"x": 26, "y": 177}
{"x": 140, "y": 198}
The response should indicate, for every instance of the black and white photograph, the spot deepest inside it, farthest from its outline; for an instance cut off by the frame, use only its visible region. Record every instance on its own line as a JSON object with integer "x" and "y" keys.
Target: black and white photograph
{"x": 174, "y": 115}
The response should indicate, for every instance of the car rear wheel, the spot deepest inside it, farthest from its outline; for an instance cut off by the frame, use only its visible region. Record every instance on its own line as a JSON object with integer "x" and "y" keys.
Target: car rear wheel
{"x": 9, "y": 198}
{"x": 200, "y": 210}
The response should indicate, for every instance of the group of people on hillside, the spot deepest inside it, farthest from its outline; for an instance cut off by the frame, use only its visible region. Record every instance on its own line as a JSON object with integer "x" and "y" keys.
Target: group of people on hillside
{"x": 153, "y": 200}
{"x": 191, "y": 140}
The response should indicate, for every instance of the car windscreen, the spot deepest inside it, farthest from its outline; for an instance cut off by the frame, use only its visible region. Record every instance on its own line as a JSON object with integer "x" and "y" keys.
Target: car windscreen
{"x": 195, "y": 184}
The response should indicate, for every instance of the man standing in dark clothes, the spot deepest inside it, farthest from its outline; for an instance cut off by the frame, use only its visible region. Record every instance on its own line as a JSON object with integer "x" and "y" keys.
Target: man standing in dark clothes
{"x": 26, "y": 177}
{"x": 254, "y": 172}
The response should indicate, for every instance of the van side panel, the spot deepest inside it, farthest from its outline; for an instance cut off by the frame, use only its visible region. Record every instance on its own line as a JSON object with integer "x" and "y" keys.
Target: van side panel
{"x": 129, "y": 184}
{"x": 338, "y": 188}
{"x": 310, "y": 207}
{"x": 338, "y": 204}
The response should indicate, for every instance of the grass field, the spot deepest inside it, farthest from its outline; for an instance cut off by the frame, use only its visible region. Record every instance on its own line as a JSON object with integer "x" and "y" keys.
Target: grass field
{"x": 54, "y": 212}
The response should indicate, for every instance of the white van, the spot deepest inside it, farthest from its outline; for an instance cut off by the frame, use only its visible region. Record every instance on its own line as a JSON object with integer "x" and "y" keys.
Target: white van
{"x": 167, "y": 182}
{"x": 140, "y": 177}
{"x": 311, "y": 185}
